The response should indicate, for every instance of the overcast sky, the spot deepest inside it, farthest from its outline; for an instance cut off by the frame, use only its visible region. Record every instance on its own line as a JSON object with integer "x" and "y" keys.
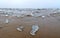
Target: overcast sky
{"x": 29, "y": 3}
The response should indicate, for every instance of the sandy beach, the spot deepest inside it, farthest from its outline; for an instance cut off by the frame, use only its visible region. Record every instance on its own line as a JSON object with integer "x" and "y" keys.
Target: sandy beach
{"x": 49, "y": 27}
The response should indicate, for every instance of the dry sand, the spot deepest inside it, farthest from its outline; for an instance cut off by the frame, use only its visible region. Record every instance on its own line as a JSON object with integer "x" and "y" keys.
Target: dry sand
{"x": 49, "y": 27}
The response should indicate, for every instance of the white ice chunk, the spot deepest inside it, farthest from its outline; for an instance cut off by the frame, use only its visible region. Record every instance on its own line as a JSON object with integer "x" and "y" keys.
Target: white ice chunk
{"x": 54, "y": 12}
{"x": 34, "y": 29}
{"x": 6, "y": 15}
{"x": 43, "y": 16}
{"x": 6, "y": 21}
{"x": 20, "y": 28}
{"x": 18, "y": 16}
{"x": 32, "y": 14}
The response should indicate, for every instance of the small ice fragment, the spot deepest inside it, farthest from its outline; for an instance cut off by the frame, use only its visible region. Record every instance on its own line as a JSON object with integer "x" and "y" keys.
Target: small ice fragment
{"x": 18, "y": 16}
{"x": 32, "y": 14}
{"x": 20, "y": 28}
{"x": 43, "y": 16}
{"x": 6, "y": 21}
{"x": 35, "y": 28}
{"x": 6, "y": 15}
{"x": 54, "y": 12}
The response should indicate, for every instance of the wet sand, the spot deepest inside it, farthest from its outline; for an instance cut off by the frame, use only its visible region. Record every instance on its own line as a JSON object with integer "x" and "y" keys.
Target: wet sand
{"x": 49, "y": 27}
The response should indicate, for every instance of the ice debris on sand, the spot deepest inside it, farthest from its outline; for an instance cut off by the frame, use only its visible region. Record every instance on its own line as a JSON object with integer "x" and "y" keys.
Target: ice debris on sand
{"x": 35, "y": 28}
{"x": 7, "y": 21}
{"x": 20, "y": 28}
